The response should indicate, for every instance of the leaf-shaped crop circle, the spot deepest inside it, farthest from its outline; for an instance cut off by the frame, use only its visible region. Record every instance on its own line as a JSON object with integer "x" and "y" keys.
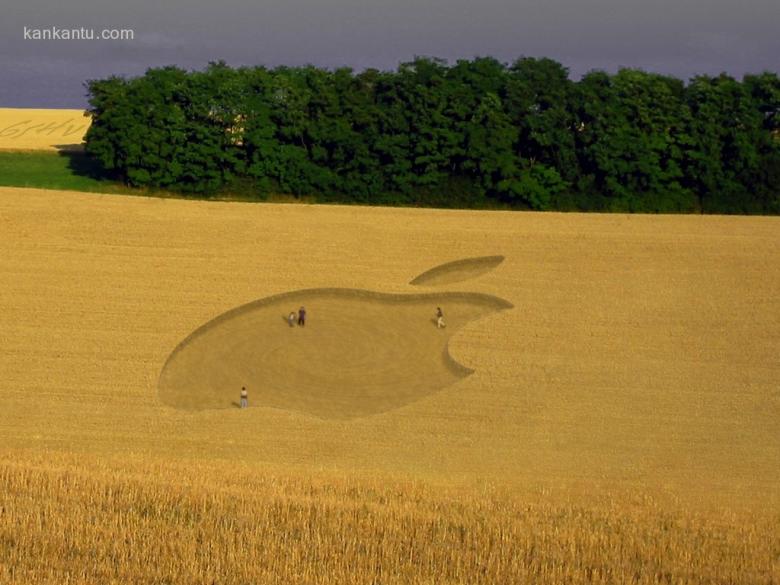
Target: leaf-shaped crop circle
{"x": 457, "y": 271}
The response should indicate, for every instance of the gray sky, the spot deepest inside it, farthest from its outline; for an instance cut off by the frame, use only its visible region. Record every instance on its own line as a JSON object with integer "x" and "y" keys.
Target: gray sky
{"x": 682, "y": 37}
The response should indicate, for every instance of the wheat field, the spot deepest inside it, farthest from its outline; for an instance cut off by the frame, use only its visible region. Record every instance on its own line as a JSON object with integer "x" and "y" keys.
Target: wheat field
{"x": 618, "y": 424}
{"x": 42, "y": 129}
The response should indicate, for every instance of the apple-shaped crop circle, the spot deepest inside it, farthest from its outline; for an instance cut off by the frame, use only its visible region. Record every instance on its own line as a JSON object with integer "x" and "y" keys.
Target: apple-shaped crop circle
{"x": 360, "y": 352}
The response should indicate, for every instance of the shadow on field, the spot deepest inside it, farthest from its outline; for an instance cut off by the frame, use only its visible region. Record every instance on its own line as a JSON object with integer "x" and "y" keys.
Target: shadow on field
{"x": 81, "y": 164}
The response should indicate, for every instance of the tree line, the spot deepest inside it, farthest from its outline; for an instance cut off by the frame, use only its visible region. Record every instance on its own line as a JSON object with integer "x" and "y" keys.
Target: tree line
{"x": 477, "y": 133}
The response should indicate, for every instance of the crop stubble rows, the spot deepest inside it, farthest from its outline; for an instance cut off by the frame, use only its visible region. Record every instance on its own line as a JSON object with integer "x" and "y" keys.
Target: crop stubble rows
{"x": 637, "y": 345}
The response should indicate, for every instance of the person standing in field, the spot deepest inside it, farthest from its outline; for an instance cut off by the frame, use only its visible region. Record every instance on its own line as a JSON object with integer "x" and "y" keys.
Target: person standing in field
{"x": 244, "y": 397}
{"x": 440, "y": 318}
{"x": 291, "y": 318}
{"x": 302, "y": 316}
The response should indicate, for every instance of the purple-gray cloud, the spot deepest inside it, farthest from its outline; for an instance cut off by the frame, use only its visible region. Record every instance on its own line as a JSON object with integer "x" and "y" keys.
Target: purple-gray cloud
{"x": 682, "y": 38}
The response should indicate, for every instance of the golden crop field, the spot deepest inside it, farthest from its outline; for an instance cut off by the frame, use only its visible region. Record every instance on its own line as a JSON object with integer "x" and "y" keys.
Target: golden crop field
{"x": 602, "y": 406}
{"x": 42, "y": 129}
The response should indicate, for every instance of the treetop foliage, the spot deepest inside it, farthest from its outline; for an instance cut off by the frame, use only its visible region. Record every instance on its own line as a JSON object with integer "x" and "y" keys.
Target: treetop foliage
{"x": 476, "y": 133}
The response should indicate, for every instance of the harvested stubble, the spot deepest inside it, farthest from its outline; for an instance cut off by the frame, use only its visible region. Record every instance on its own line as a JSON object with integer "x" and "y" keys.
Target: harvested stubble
{"x": 70, "y": 523}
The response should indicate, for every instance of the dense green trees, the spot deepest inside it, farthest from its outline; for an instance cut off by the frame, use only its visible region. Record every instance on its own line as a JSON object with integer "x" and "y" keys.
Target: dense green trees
{"x": 473, "y": 134}
{"x": 631, "y": 139}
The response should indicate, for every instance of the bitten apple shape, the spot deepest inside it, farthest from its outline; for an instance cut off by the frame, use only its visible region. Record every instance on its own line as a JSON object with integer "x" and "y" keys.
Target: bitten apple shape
{"x": 359, "y": 353}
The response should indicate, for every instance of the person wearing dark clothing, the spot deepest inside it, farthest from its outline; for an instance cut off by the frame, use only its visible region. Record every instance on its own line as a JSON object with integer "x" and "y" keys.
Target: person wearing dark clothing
{"x": 302, "y": 316}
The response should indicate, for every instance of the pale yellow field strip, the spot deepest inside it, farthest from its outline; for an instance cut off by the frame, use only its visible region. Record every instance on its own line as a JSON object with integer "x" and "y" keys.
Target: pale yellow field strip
{"x": 640, "y": 349}
{"x": 42, "y": 129}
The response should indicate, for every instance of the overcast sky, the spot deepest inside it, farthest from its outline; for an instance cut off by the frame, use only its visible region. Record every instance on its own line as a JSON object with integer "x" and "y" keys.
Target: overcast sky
{"x": 678, "y": 37}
